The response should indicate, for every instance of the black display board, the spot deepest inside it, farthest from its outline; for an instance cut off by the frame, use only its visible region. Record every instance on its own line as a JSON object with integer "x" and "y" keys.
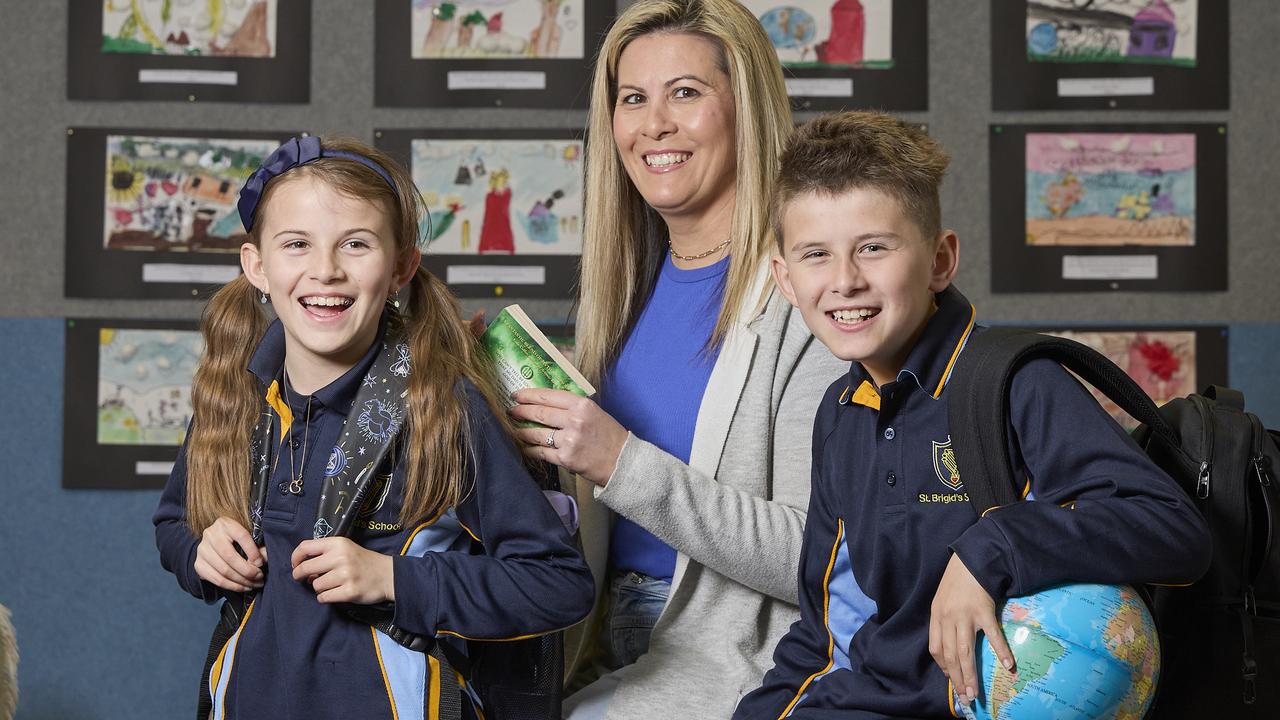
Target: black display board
{"x": 283, "y": 77}
{"x": 1108, "y": 207}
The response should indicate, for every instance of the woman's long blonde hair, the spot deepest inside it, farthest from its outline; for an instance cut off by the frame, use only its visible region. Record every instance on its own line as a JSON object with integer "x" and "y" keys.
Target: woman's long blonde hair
{"x": 226, "y": 398}
{"x": 624, "y": 239}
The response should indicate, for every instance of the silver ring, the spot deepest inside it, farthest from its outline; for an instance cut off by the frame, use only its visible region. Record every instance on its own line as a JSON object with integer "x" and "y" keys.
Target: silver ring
{"x": 551, "y": 439}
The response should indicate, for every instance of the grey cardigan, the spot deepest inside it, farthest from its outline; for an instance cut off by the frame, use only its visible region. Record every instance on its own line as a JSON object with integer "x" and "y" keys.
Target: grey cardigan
{"x": 735, "y": 516}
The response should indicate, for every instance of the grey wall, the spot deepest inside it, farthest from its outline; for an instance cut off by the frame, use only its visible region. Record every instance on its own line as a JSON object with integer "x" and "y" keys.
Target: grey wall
{"x": 106, "y": 634}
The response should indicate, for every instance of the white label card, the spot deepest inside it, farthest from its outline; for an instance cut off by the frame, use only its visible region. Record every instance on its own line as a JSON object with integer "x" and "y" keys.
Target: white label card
{"x": 178, "y": 273}
{"x": 1106, "y": 87}
{"x": 1110, "y": 267}
{"x": 496, "y": 275}
{"x": 496, "y": 80}
{"x": 189, "y": 77}
{"x": 820, "y": 87}
{"x": 152, "y": 467}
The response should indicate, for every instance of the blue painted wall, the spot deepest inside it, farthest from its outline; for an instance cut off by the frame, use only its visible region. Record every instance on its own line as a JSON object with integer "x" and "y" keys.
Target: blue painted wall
{"x": 106, "y": 633}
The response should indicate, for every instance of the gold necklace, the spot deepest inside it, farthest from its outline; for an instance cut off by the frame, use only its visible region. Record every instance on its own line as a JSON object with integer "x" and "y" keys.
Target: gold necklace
{"x": 699, "y": 256}
{"x": 294, "y": 486}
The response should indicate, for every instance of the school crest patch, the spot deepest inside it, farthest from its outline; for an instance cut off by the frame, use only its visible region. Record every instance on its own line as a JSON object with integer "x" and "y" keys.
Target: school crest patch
{"x": 945, "y": 465}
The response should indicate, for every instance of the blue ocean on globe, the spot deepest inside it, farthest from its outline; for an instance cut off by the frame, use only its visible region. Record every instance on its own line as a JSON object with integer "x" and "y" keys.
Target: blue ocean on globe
{"x": 789, "y": 27}
{"x": 1082, "y": 651}
{"x": 1043, "y": 39}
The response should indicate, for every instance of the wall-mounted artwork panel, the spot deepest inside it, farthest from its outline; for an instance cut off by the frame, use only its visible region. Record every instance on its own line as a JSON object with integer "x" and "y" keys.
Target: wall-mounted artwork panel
{"x": 152, "y": 213}
{"x": 221, "y": 50}
{"x": 505, "y": 207}
{"x": 486, "y": 53}
{"x": 127, "y": 400}
{"x": 1101, "y": 54}
{"x": 1114, "y": 207}
{"x": 845, "y": 54}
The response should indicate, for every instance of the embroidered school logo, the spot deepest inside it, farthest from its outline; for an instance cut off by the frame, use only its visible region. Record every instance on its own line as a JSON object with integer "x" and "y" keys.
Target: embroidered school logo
{"x": 944, "y": 464}
{"x": 379, "y": 420}
{"x": 375, "y": 495}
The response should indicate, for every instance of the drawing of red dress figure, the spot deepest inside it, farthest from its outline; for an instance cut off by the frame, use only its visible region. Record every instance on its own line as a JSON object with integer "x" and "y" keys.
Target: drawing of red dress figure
{"x": 546, "y": 37}
{"x": 848, "y": 27}
{"x": 495, "y": 232}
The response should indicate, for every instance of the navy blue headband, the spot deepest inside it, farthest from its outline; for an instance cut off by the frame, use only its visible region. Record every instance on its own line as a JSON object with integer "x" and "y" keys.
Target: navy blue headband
{"x": 294, "y": 152}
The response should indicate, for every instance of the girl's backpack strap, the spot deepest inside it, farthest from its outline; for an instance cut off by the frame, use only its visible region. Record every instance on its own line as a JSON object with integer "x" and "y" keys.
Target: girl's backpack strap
{"x": 978, "y": 404}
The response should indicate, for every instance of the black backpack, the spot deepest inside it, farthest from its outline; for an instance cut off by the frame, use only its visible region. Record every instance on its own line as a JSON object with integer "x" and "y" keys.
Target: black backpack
{"x": 1220, "y": 637}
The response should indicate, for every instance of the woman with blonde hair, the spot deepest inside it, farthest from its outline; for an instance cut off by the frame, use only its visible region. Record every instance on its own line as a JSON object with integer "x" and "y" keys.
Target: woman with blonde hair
{"x": 693, "y": 468}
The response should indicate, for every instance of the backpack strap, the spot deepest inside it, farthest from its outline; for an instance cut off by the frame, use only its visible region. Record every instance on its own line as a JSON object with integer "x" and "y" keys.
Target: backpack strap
{"x": 978, "y": 404}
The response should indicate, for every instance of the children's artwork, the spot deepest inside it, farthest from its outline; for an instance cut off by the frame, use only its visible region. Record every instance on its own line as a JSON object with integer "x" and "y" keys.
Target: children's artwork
{"x": 144, "y": 385}
{"x": 1111, "y": 189}
{"x": 201, "y": 28}
{"x": 1113, "y": 31}
{"x": 177, "y": 193}
{"x": 500, "y": 197}
{"x": 1163, "y": 363}
{"x": 497, "y": 29}
{"x": 828, "y": 33}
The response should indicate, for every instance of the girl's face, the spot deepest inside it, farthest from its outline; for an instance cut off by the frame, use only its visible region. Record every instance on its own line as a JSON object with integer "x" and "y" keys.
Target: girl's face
{"x": 328, "y": 261}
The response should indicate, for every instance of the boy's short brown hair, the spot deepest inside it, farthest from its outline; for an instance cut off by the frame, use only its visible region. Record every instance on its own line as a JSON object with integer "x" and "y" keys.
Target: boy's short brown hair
{"x": 847, "y": 151}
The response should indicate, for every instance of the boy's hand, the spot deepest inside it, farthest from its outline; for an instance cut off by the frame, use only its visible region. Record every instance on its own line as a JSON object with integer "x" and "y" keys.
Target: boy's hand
{"x": 960, "y": 608}
{"x": 342, "y": 571}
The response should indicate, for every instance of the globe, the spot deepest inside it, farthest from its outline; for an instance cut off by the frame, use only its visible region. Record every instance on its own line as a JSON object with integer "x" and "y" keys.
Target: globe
{"x": 1081, "y": 651}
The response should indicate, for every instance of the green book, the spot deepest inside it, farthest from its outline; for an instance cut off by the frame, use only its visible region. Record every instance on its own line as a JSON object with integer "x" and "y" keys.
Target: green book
{"x": 523, "y": 357}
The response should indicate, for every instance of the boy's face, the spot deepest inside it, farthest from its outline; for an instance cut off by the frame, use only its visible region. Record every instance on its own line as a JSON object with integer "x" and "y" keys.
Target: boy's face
{"x": 863, "y": 275}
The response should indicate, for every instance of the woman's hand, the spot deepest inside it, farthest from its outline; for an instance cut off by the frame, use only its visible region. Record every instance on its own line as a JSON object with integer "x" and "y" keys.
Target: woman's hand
{"x": 960, "y": 608}
{"x": 342, "y": 571}
{"x": 219, "y": 558}
{"x": 579, "y": 436}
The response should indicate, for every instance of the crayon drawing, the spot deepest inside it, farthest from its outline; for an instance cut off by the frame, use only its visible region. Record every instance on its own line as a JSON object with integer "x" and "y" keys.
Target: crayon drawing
{"x": 217, "y": 28}
{"x": 175, "y": 193}
{"x": 828, "y": 33}
{"x": 144, "y": 385}
{"x": 1112, "y": 31}
{"x": 1110, "y": 189}
{"x": 501, "y": 197}
{"x": 1163, "y": 363}
{"x": 497, "y": 29}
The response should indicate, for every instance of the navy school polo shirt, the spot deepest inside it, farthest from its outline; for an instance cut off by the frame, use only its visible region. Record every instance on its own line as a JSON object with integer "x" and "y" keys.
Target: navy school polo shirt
{"x": 297, "y": 658}
{"x": 888, "y": 508}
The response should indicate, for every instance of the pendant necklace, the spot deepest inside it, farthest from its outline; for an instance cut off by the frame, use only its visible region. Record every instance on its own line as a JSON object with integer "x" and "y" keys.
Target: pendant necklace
{"x": 294, "y": 486}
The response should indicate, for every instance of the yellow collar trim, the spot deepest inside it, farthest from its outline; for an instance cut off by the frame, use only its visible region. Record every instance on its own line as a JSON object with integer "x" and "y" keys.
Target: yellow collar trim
{"x": 867, "y": 395}
{"x": 281, "y": 408}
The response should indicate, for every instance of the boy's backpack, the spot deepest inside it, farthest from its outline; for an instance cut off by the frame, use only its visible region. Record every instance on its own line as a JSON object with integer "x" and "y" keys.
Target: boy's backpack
{"x": 1220, "y": 636}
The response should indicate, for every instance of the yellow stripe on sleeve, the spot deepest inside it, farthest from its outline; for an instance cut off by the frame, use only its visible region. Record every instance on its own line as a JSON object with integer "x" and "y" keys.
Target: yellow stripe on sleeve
{"x": 826, "y": 621}
{"x": 386, "y": 682}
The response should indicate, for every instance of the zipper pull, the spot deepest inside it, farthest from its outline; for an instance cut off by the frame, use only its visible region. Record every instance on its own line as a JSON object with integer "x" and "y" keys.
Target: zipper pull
{"x": 1260, "y": 467}
{"x": 1202, "y": 483}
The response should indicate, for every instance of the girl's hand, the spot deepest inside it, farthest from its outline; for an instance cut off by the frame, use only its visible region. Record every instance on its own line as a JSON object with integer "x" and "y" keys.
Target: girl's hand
{"x": 583, "y": 438}
{"x": 341, "y": 571}
{"x": 960, "y": 608}
{"x": 219, "y": 558}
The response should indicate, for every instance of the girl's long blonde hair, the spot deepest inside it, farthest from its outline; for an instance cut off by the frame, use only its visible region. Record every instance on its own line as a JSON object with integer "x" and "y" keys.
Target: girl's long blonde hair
{"x": 624, "y": 239}
{"x": 226, "y": 397}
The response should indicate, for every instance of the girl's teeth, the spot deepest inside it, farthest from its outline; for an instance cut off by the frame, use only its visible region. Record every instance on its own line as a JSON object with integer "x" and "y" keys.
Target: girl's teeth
{"x": 327, "y": 301}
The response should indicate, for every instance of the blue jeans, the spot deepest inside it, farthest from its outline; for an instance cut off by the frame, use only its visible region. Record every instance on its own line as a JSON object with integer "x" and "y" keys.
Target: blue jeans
{"x": 635, "y": 602}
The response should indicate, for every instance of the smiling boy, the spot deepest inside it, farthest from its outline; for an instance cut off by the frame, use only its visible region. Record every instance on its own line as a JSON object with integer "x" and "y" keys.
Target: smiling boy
{"x": 898, "y": 573}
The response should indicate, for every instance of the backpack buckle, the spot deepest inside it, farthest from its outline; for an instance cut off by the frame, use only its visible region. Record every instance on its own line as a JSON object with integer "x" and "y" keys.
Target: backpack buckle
{"x": 1249, "y": 671}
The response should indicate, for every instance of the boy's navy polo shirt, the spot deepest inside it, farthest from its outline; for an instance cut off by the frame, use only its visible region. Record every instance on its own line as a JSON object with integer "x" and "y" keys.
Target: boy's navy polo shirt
{"x": 297, "y": 658}
{"x": 888, "y": 509}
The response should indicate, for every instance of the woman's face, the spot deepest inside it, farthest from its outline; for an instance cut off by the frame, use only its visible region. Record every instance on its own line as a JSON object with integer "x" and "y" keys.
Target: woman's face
{"x": 673, "y": 124}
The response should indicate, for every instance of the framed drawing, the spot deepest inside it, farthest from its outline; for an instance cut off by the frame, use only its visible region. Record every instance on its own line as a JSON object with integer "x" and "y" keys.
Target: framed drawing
{"x": 486, "y": 53}
{"x": 505, "y": 207}
{"x": 844, "y": 54}
{"x": 127, "y": 400}
{"x": 1098, "y": 54}
{"x": 1108, "y": 207}
{"x": 152, "y": 213}
{"x": 1166, "y": 362}
{"x": 243, "y": 51}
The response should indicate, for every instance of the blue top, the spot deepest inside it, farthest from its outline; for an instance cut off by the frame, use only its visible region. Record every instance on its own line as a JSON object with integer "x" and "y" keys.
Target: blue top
{"x": 496, "y": 566}
{"x": 885, "y": 517}
{"x": 656, "y": 387}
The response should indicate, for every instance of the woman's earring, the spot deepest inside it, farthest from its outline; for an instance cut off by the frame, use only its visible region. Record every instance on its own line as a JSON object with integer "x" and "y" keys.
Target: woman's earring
{"x": 264, "y": 298}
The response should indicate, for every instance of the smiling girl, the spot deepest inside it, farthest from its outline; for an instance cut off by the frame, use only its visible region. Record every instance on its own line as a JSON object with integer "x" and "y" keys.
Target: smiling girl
{"x": 348, "y": 460}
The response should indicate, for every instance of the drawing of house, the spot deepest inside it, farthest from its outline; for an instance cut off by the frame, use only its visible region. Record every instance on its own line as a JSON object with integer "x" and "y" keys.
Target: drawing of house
{"x": 1153, "y": 32}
